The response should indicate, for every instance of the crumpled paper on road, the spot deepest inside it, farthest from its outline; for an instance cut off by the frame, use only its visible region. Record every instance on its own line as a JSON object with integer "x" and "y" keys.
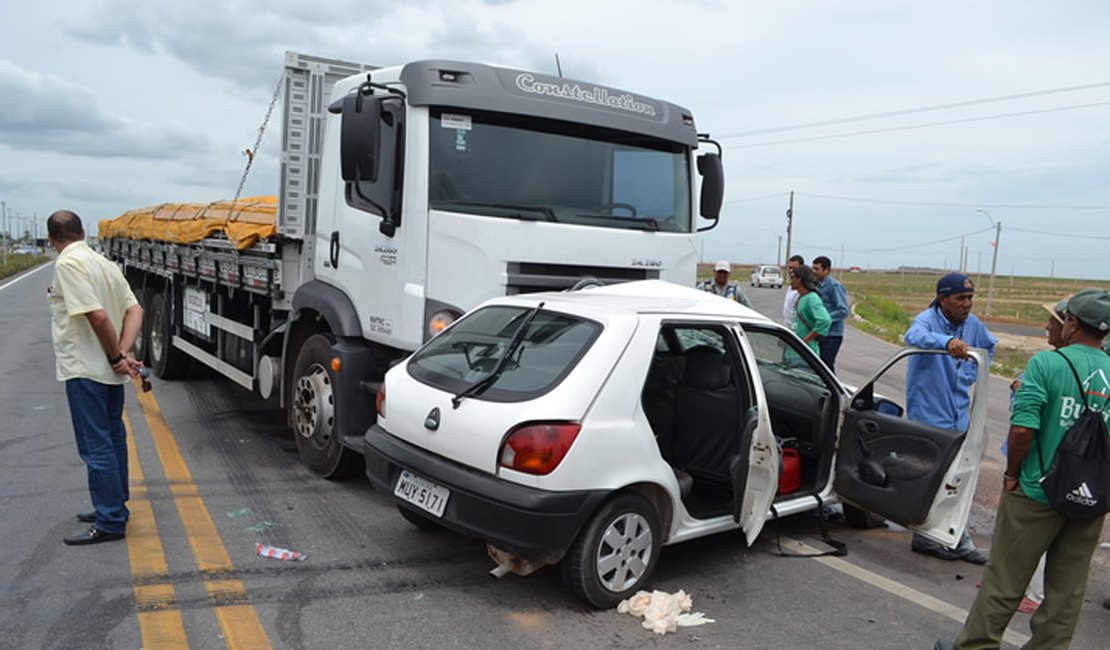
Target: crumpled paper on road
{"x": 663, "y": 612}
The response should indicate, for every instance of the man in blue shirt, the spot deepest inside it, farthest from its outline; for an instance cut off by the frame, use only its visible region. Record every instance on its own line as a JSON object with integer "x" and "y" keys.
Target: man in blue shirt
{"x": 836, "y": 302}
{"x": 938, "y": 386}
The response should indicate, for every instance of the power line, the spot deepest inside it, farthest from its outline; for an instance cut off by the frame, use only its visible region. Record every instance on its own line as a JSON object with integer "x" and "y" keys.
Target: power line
{"x": 941, "y": 204}
{"x": 909, "y": 111}
{"x": 762, "y": 198}
{"x": 1056, "y": 234}
{"x": 926, "y": 125}
{"x": 903, "y": 248}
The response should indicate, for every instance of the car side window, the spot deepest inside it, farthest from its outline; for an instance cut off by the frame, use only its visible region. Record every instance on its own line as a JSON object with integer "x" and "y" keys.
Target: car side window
{"x": 775, "y": 352}
{"x": 692, "y": 337}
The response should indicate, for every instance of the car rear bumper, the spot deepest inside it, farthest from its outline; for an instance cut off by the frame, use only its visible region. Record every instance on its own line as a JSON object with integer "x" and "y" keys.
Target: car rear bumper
{"x": 528, "y": 522}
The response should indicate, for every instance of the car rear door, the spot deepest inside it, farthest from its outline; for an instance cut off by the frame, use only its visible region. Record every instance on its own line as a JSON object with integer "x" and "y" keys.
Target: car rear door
{"x": 915, "y": 474}
{"x": 755, "y": 477}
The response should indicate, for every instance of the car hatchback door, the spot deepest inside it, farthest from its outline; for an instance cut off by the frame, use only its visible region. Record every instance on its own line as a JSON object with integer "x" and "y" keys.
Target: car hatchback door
{"x": 913, "y": 473}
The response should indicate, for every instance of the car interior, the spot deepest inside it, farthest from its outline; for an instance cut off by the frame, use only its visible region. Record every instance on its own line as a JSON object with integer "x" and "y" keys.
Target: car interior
{"x": 697, "y": 399}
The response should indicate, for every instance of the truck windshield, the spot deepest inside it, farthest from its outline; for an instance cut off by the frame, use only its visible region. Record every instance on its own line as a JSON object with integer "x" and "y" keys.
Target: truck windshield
{"x": 517, "y": 167}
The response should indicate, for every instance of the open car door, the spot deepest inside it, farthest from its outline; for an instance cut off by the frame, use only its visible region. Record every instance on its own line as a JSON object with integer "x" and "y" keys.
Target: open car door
{"x": 755, "y": 473}
{"x": 915, "y": 474}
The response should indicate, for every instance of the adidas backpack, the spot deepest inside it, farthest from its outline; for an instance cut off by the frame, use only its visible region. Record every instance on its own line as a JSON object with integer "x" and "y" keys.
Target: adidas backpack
{"x": 1078, "y": 482}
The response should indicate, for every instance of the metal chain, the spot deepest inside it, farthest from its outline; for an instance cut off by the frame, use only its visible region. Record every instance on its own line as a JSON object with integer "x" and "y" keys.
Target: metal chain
{"x": 252, "y": 152}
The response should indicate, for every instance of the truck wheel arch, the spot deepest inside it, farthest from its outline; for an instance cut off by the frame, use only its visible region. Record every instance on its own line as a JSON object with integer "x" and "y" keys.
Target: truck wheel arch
{"x": 317, "y": 308}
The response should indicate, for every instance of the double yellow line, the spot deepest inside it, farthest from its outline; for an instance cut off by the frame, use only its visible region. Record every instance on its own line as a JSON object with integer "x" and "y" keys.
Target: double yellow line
{"x": 159, "y": 617}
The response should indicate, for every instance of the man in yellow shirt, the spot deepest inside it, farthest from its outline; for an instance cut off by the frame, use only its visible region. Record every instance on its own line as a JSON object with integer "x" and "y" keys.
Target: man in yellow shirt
{"x": 95, "y": 319}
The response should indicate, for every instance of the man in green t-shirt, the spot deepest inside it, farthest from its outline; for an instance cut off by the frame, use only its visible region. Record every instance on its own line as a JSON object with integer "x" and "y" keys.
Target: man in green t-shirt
{"x": 1045, "y": 406}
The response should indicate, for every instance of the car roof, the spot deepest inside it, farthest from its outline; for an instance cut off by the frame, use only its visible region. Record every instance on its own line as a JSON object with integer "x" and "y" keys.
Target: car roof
{"x": 639, "y": 297}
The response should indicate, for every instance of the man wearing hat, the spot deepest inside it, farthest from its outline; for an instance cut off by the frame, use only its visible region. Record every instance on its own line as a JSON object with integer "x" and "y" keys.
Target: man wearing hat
{"x": 1045, "y": 407}
{"x": 721, "y": 286}
{"x": 938, "y": 387}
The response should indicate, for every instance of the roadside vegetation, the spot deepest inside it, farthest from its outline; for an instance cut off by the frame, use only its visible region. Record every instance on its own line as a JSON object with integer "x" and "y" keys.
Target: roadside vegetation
{"x": 884, "y": 303}
{"x": 17, "y": 263}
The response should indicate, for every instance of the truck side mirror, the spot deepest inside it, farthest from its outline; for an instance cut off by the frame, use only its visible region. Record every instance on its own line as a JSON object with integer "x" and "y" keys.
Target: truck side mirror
{"x": 712, "y": 185}
{"x": 359, "y": 136}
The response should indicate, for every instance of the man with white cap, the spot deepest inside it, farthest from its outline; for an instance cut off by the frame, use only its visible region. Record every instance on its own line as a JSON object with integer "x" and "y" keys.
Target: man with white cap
{"x": 720, "y": 285}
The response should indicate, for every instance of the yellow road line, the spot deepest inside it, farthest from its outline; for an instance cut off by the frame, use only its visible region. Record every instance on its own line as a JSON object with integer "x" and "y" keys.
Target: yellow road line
{"x": 159, "y": 619}
{"x": 236, "y": 616}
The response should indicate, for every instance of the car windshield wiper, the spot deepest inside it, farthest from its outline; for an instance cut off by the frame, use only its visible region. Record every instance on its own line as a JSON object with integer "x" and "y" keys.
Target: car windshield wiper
{"x": 523, "y": 212}
{"x": 482, "y": 384}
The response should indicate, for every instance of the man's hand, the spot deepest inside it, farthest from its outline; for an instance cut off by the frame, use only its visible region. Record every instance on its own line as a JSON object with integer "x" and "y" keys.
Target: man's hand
{"x": 127, "y": 366}
{"x": 957, "y": 348}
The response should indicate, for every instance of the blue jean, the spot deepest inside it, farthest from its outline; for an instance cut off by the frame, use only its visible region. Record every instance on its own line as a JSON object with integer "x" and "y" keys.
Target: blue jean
{"x": 97, "y": 413}
{"x": 830, "y": 347}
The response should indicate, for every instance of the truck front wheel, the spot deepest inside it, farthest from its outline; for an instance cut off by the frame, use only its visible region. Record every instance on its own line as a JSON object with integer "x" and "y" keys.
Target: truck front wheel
{"x": 314, "y": 411}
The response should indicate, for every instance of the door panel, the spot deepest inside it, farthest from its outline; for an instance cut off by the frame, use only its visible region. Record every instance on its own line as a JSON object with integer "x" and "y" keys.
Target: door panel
{"x": 913, "y": 473}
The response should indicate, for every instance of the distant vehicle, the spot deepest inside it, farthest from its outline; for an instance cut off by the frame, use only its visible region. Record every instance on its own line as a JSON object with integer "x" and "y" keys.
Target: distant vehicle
{"x": 855, "y": 269}
{"x": 522, "y": 425}
{"x": 26, "y": 250}
{"x": 766, "y": 275}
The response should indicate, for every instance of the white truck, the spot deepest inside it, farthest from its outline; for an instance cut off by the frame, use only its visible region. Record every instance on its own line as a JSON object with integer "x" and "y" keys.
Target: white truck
{"x": 408, "y": 196}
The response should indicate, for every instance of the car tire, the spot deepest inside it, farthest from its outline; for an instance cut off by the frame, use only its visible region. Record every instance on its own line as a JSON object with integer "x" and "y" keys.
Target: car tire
{"x": 419, "y": 520}
{"x": 603, "y": 575}
{"x": 166, "y": 361}
{"x": 313, "y": 409}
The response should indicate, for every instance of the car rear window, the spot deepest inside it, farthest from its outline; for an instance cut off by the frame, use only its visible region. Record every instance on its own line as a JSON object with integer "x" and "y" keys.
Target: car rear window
{"x": 468, "y": 352}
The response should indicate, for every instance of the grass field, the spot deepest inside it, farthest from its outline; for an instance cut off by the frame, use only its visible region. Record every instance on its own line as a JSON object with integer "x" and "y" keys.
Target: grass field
{"x": 887, "y": 301}
{"x": 17, "y": 263}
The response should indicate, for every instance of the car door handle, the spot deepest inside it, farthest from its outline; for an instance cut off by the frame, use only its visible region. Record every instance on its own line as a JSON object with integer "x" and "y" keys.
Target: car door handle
{"x": 870, "y": 427}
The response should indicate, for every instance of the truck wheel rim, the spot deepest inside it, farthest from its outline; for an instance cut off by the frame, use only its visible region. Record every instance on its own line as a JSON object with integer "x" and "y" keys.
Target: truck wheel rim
{"x": 314, "y": 406}
{"x": 157, "y": 340}
{"x": 624, "y": 553}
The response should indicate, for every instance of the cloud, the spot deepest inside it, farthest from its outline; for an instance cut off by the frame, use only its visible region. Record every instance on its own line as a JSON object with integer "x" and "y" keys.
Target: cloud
{"x": 44, "y": 113}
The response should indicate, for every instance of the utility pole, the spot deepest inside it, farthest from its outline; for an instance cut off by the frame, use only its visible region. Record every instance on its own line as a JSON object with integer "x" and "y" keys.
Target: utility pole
{"x": 994, "y": 259}
{"x": 778, "y": 253}
{"x": 4, "y": 214}
{"x": 960, "y": 267}
{"x": 789, "y": 224}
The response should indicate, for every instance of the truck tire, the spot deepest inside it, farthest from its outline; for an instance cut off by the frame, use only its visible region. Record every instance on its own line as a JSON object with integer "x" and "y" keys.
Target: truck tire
{"x": 313, "y": 410}
{"x": 615, "y": 555}
{"x": 166, "y": 361}
{"x": 141, "y": 348}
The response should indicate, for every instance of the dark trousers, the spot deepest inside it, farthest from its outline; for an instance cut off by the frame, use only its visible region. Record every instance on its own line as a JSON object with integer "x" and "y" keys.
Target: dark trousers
{"x": 830, "y": 347}
{"x": 97, "y": 413}
{"x": 1023, "y": 530}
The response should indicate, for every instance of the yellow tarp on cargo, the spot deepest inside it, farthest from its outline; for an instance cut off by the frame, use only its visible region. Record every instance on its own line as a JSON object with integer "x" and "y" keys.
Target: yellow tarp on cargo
{"x": 244, "y": 222}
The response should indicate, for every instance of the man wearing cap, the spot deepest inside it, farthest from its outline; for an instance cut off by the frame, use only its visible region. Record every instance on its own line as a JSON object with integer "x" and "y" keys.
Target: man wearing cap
{"x": 720, "y": 285}
{"x": 938, "y": 386}
{"x": 811, "y": 319}
{"x": 1045, "y": 407}
{"x": 835, "y": 298}
{"x": 790, "y": 300}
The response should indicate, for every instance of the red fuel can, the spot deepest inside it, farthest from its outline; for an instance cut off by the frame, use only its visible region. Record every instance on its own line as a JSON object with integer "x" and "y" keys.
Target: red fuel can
{"x": 790, "y": 479}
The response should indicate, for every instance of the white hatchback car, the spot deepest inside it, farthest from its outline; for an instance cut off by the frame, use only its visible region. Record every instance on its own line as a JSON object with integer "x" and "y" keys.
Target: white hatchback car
{"x": 594, "y": 427}
{"x": 766, "y": 275}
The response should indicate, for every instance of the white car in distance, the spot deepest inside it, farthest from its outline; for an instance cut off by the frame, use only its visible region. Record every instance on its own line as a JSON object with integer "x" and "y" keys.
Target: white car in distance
{"x": 591, "y": 428}
{"x": 766, "y": 275}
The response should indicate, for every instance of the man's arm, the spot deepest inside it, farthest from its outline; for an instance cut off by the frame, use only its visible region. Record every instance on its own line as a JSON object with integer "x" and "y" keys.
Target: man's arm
{"x": 838, "y": 301}
{"x": 114, "y": 347}
{"x": 920, "y": 335}
{"x": 1019, "y": 442}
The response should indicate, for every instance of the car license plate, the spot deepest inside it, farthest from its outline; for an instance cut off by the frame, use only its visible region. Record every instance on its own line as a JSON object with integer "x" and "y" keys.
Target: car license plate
{"x": 421, "y": 493}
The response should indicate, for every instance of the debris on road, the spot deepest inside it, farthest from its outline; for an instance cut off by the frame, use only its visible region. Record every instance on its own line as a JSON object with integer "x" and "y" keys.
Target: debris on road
{"x": 663, "y": 612}
{"x": 278, "y": 553}
{"x": 235, "y": 514}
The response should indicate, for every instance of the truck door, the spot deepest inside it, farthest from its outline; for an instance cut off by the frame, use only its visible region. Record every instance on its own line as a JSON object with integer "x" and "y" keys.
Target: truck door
{"x": 913, "y": 473}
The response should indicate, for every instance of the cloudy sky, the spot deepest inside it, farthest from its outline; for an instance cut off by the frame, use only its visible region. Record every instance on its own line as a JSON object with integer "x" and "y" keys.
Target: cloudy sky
{"x": 891, "y": 122}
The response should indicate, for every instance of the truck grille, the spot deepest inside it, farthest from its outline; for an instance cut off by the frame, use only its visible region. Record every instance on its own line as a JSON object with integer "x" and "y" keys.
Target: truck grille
{"x": 530, "y": 277}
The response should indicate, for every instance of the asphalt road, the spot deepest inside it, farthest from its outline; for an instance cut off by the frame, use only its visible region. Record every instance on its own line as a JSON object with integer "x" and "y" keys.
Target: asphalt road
{"x": 219, "y": 474}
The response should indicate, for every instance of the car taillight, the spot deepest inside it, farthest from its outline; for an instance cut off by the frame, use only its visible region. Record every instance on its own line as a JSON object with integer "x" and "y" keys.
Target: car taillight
{"x": 538, "y": 448}
{"x": 379, "y": 401}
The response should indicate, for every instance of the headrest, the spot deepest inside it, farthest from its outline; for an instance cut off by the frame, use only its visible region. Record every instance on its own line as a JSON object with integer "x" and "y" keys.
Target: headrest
{"x": 706, "y": 368}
